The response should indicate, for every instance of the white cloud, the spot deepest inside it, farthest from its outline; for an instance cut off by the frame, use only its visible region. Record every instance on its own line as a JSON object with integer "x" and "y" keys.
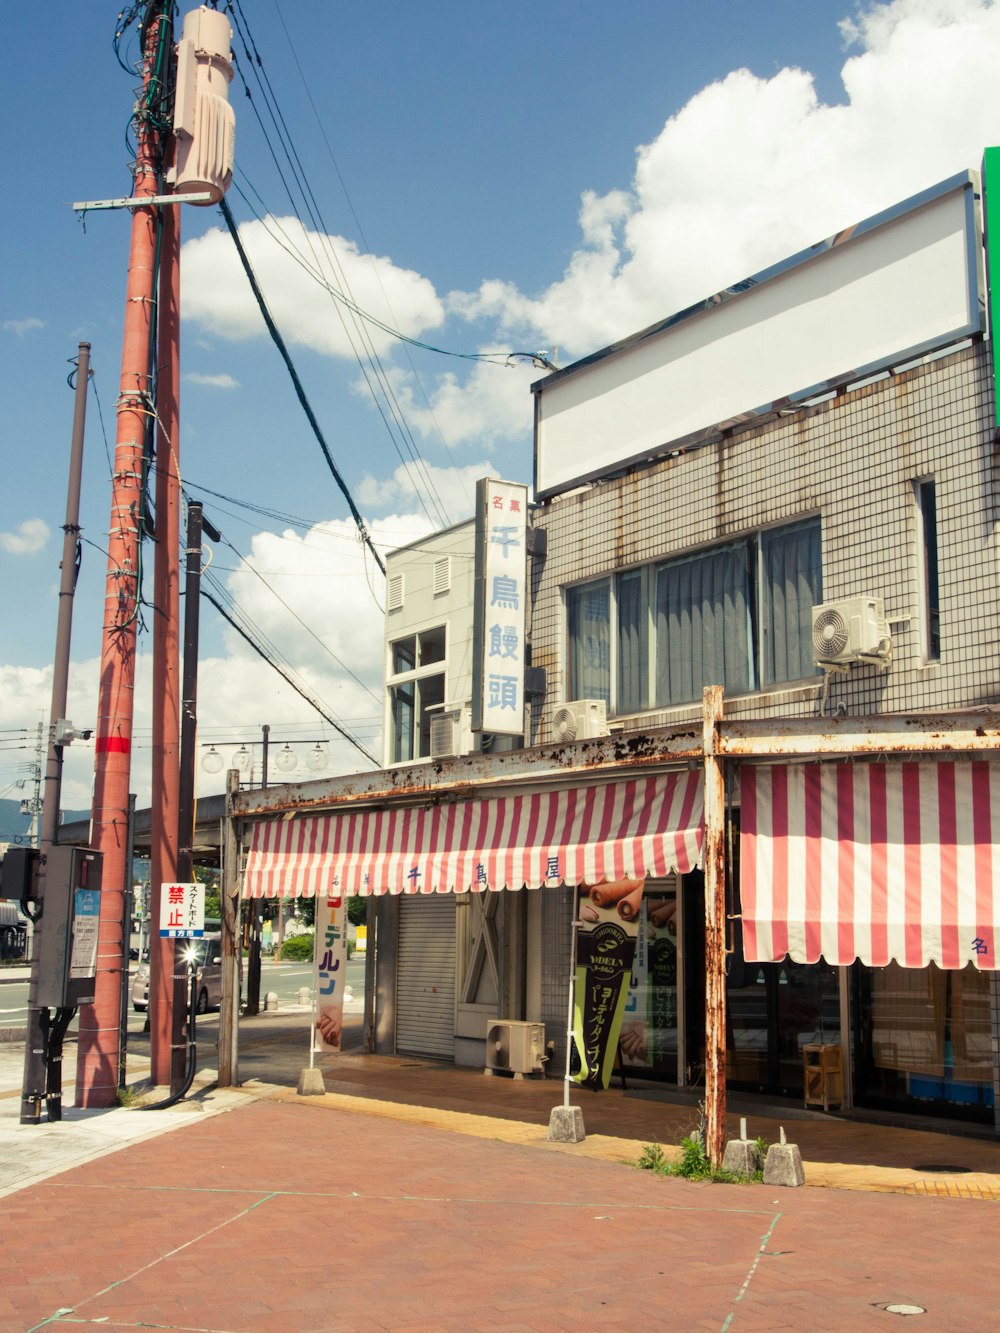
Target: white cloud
{"x": 454, "y": 488}
{"x": 27, "y": 539}
{"x": 212, "y": 381}
{"x": 216, "y": 294}
{"x": 22, "y": 326}
{"x": 751, "y": 170}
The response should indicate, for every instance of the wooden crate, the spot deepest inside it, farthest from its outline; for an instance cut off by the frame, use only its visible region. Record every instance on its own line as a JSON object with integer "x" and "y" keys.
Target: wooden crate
{"x": 823, "y": 1076}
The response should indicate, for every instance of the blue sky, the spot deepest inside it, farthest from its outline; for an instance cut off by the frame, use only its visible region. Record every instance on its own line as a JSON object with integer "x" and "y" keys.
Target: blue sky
{"x": 517, "y": 177}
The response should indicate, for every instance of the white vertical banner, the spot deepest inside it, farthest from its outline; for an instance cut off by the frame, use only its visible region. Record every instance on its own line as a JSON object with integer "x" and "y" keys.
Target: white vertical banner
{"x": 329, "y": 971}
{"x": 501, "y": 604}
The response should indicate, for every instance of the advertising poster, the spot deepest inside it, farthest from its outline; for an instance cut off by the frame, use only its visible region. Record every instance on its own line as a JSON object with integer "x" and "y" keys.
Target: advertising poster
{"x": 330, "y": 971}
{"x": 86, "y": 925}
{"x": 649, "y": 1027}
{"x": 608, "y": 923}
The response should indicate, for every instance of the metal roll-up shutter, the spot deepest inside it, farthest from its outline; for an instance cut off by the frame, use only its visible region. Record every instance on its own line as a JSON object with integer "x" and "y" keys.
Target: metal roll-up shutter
{"x": 425, "y": 977}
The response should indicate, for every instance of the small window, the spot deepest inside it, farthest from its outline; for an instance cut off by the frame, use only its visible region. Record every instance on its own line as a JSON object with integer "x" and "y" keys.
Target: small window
{"x": 589, "y": 615}
{"x": 432, "y": 646}
{"x": 404, "y": 655}
{"x": 926, "y": 496}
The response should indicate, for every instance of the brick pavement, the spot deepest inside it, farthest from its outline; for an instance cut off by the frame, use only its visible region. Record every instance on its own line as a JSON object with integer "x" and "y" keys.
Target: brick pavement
{"x": 301, "y": 1214}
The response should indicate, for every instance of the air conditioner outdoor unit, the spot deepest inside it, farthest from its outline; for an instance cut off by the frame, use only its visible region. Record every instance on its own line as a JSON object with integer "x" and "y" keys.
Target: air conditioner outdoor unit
{"x": 580, "y": 720}
{"x": 451, "y": 732}
{"x": 515, "y": 1047}
{"x": 854, "y": 630}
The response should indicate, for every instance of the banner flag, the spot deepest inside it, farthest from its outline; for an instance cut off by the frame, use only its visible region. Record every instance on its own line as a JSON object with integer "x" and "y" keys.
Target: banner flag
{"x": 605, "y": 947}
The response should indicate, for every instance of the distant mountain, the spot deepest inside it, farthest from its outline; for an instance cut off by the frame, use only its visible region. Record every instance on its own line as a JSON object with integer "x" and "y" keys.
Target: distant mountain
{"x": 14, "y": 826}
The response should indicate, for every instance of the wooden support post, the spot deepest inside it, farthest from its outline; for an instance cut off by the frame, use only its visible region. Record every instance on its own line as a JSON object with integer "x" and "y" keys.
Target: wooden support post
{"x": 714, "y": 855}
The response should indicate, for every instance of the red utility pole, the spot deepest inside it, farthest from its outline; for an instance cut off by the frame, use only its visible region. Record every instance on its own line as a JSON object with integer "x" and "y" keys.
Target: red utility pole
{"x": 99, "y": 1034}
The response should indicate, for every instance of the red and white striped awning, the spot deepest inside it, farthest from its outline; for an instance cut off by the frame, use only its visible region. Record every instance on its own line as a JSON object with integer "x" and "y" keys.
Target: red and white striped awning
{"x": 608, "y": 830}
{"x": 876, "y": 861}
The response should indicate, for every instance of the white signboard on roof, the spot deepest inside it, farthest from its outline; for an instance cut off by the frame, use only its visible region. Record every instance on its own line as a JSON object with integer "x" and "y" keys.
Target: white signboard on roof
{"x": 501, "y": 600}
{"x": 890, "y": 289}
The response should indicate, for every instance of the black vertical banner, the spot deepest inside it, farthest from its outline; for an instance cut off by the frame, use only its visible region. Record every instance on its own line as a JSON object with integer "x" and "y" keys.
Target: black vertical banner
{"x": 605, "y": 948}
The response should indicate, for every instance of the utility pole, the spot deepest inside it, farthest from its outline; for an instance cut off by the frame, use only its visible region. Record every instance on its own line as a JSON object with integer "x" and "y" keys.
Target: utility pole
{"x": 194, "y": 108}
{"x": 36, "y": 1046}
{"x": 99, "y": 1038}
{"x": 167, "y": 972}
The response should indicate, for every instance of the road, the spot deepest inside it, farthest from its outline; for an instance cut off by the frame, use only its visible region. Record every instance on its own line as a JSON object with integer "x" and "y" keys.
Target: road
{"x": 282, "y": 979}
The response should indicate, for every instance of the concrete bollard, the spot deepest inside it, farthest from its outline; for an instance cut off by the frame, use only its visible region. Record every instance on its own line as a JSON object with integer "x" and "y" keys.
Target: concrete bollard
{"x": 566, "y": 1125}
{"x": 311, "y": 1083}
{"x": 305, "y": 995}
{"x": 783, "y": 1165}
{"x": 742, "y": 1157}
{"x": 271, "y": 1001}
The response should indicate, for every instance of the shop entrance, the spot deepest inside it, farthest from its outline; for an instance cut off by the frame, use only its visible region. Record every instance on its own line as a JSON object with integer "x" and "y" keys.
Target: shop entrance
{"x": 774, "y": 1010}
{"x": 922, "y": 1040}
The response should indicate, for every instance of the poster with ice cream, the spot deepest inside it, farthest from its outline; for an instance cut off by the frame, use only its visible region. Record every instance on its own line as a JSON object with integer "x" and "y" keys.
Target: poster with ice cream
{"x": 605, "y": 946}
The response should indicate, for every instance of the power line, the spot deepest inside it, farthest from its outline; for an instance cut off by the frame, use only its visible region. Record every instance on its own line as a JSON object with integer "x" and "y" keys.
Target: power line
{"x": 297, "y": 383}
{"x": 298, "y": 689}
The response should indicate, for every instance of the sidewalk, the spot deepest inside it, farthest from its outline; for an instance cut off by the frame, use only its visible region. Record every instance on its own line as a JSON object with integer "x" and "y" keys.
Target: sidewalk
{"x": 304, "y": 1214}
{"x": 838, "y": 1153}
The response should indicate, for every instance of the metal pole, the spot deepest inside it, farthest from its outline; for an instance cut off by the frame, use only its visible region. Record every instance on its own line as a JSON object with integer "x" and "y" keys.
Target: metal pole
{"x": 189, "y": 692}
{"x": 266, "y": 732}
{"x": 572, "y": 994}
{"x": 97, "y": 1047}
{"x": 35, "y": 1046}
{"x": 127, "y": 938}
{"x": 715, "y": 930}
{"x": 231, "y": 943}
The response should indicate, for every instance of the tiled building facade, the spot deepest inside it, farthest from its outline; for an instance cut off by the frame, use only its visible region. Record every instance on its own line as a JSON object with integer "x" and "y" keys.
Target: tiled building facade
{"x": 855, "y": 462}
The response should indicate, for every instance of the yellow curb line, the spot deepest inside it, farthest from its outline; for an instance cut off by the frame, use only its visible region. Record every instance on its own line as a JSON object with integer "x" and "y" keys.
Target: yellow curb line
{"x": 626, "y": 1152}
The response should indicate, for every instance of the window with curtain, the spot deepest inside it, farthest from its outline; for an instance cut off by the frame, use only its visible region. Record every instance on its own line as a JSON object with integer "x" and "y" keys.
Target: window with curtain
{"x": 738, "y": 615}
{"x": 703, "y": 632}
{"x": 633, "y": 649}
{"x": 588, "y": 609}
{"x": 791, "y": 585}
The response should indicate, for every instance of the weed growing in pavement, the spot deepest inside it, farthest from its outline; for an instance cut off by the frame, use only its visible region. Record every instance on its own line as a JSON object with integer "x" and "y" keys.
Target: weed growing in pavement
{"x": 694, "y": 1163}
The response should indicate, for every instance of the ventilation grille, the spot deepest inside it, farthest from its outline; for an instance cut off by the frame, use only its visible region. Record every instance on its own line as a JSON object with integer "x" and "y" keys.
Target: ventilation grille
{"x": 442, "y": 575}
{"x": 395, "y": 592}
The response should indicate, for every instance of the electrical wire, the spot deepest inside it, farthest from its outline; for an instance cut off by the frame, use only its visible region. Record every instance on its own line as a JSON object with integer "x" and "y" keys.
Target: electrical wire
{"x": 384, "y": 398}
{"x": 288, "y": 675}
{"x": 297, "y": 384}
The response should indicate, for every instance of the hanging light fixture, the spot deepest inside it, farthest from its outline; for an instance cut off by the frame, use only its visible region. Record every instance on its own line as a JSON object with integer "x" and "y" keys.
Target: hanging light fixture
{"x": 285, "y": 760}
{"x": 212, "y": 762}
{"x": 316, "y": 758}
{"x": 243, "y": 759}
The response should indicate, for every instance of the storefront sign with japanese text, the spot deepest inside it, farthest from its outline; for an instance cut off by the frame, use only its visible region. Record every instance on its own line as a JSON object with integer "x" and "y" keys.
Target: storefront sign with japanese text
{"x": 330, "y": 971}
{"x": 501, "y": 598}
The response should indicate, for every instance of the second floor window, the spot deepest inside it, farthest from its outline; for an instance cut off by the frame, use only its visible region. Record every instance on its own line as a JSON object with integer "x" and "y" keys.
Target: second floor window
{"x": 416, "y": 690}
{"x": 737, "y": 615}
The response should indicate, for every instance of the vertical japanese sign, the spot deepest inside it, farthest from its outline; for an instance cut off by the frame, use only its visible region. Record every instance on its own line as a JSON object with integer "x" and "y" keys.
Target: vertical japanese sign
{"x": 182, "y": 911}
{"x": 500, "y": 609}
{"x": 330, "y": 971}
{"x": 605, "y": 948}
